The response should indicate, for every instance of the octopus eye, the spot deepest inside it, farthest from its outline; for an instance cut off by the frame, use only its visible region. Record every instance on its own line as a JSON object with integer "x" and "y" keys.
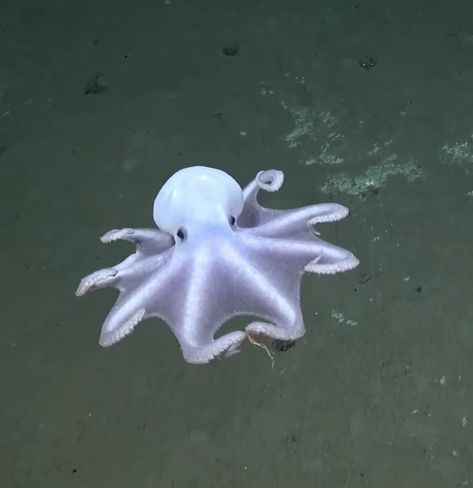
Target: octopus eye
{"x": 181, "y": 233}
{"x": 232, "y": 220}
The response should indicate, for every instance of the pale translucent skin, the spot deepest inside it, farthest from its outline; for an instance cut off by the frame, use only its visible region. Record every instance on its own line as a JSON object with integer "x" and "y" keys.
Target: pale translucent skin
{"x": 217, "y": 254}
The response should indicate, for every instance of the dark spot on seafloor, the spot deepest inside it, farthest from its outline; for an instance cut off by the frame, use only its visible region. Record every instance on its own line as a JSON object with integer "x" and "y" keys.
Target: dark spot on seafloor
{"x": 2, "y": 150}
{"x": 231, "y": 49}
{"x": 367, "y": 62}
{"x": 364, "y": 278}
{"x": 282, "y": 346}
{"x": 98, "y": 84}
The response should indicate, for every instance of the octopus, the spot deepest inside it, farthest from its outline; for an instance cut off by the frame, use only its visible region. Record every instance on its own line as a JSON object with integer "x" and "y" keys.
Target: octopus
{"x": 215, "y": 254}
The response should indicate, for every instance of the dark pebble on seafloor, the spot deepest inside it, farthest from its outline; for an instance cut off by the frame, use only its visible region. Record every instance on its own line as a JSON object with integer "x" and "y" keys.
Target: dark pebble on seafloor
{"x": 231, "y": 50}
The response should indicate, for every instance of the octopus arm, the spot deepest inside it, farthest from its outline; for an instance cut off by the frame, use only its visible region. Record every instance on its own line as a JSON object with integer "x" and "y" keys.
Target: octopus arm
{"x": 144, "y": 293}
{"x": 150, "y": 243}
{"x": 253, "y": 213}
{"x": 323, "y": 257}
{"x": 199, "y": 306}
{"x": 266, "y": 291}
{"x": 308, "y": 253}
{"x": 278, "y": 223}
{"x": 147, "y": 241}
{"x": 131, "y": 277}
{"x": 268, "y": 180}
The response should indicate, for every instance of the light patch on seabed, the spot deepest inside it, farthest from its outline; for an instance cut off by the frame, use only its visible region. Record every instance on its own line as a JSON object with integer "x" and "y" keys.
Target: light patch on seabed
{"x": 303, "y": 125}
{"x": 377, "y": 147}
{"x": 459, "y": 154}
{"x": 373, "y": 178}
{"x": 342, "y": 320}
{"x": 312, "y": 127}
{"x": 265, "y": 89}
{"x": 309, "y": 126}
{"x": 307, "y": 123}
{"x": 136, "y": 143}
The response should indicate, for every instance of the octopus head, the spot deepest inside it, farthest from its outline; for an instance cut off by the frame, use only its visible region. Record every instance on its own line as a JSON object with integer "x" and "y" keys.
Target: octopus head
{"x": 197, "y": 199}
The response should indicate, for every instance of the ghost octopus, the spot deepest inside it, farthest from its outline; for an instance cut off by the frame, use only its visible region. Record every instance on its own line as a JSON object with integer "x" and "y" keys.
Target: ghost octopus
{"x": 217, "y": 253}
